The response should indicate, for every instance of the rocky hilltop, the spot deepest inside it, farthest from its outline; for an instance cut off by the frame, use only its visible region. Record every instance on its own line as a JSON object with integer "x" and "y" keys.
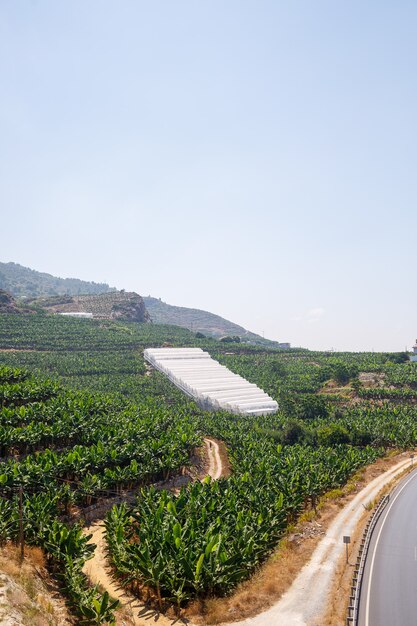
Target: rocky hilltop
{"x": 9, "y": 305}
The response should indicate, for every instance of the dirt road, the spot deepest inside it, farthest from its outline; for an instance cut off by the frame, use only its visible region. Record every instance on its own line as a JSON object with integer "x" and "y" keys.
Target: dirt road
{"x": 98, "y": 571}
{"x": 213, "y": 454}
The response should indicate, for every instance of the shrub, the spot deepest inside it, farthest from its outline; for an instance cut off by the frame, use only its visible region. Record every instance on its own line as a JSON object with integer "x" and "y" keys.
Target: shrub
{"x": 332, "y": 435}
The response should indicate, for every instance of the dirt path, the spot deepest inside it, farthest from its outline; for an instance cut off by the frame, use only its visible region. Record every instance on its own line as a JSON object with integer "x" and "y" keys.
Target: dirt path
{"x": 99, "y": 572}
{"x": 215, "y": 468}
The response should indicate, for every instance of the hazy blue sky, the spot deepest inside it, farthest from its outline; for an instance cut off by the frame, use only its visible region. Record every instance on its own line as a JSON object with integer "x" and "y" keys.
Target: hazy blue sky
{"x": 253, "y": 158}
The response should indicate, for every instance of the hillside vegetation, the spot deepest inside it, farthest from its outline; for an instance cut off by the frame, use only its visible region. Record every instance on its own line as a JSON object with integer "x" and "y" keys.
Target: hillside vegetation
{"x": 23, "y": 282}
{"x": 9, "y": 305}
{"x": 198, "y": 320}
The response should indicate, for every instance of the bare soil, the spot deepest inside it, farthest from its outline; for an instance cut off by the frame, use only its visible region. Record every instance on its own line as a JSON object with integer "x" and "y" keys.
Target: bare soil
{"x": 207, "y": 461}
{"x": 255, "y": 595}
{"x": 331, "y": 388}
{"x": 17, "y": 350}
{"x": 133, "y": 611}
{"x": 372, "y": 379}
{"x": 28, "y": 596}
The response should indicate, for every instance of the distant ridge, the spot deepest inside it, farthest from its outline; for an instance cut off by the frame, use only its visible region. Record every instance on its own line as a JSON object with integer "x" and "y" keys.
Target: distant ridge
{"x": 23, "y": 282}
{"x": 51, "y": 293}
{"x": 197, "y": 320}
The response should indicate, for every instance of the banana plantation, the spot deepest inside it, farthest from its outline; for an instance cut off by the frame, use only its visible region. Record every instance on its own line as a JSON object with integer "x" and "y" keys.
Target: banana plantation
{"x": 83, "y": 420}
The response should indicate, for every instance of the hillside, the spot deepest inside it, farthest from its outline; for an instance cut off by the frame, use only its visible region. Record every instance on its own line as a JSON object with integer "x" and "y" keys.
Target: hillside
{"x": 59, "y": 295}
{"x": 197, "y": 320}
{"x": 8, "y": 304}
{"x": 23, "y": 282}
{"x": 115, "y": 305}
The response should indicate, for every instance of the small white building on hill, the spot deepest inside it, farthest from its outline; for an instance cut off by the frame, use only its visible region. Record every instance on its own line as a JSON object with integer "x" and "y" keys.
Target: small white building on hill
{"x": 78, "y": 314}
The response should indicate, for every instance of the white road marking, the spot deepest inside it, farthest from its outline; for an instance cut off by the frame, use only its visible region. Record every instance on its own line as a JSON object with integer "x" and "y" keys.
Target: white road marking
{"x": 368, "y": 597}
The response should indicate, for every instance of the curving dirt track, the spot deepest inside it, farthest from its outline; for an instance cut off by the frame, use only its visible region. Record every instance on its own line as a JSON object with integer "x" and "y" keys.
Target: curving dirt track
{"x": 99, "y": 572}
{"x": 215, "y": 469}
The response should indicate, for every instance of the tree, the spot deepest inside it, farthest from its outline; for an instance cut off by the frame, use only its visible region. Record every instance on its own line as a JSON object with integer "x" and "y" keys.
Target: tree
{"x": 230, "y": 339}
{"x": 342, "y": 373}
{"x": 309, "y": 406}
{"x": 295, "y": 432}
{"x": 332, "y": 435}
{"x": 398, "y": 357}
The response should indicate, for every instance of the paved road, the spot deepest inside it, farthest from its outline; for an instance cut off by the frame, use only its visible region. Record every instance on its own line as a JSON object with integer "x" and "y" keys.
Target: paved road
{"x": 389, "y": 591}
{"x": 307, "y": 599}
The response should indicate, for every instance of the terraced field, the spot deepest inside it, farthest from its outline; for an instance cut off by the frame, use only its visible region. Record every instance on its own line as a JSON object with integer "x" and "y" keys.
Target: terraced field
{"x": 83, "y": 421}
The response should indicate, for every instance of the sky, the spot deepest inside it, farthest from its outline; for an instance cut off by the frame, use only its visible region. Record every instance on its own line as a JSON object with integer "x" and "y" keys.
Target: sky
{"x": 252, "y": 158}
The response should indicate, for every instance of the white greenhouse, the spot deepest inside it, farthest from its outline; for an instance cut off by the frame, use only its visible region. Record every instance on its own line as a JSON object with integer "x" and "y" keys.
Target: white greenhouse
{"x": 212, "y": 385}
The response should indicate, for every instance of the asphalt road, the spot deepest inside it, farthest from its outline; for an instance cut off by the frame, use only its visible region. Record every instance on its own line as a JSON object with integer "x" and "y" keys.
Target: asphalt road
{"x": 389, "y": 588}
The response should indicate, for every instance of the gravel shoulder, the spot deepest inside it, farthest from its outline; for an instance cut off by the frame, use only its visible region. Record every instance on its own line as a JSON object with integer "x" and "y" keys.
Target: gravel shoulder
{"x": 306, "y": 600}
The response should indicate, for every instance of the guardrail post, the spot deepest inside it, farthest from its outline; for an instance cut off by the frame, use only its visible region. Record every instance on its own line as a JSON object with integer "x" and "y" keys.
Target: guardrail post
{"x": 355, "y": 589}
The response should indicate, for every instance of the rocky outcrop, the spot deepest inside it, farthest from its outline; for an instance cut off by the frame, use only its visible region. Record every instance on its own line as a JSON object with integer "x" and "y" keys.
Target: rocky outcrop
{"x": 131, "y": 308}
{"x": 116, "y": 305}
{"x": 8, "y": 304}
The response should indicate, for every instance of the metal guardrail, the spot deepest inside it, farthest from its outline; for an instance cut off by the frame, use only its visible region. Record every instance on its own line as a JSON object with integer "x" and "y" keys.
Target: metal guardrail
{"x": 355, "y": 589}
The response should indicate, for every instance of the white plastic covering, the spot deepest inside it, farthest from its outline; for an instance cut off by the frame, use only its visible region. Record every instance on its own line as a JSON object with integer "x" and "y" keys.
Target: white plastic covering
{"x": 212, "y": 385}
{"x": 78, "y": 314}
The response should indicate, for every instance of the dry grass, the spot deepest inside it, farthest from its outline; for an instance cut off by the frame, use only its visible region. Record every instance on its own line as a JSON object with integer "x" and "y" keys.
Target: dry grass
{"x": 32, "y": 594}
{"x": 339, "y": 596}
{"x": 272, "y": 580}
{"x": 41, "y": 605}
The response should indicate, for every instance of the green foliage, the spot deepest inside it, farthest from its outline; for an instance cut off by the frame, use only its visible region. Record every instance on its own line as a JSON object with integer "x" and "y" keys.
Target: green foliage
{"x": 397, "y": 357}
{"x": 343, "y": 372}
{"x": 295, "y": 432}
{"x": 309, "y": 407}
{"x": 230, "y": 339}
{"x": 103, "y": 425}
{"x": 24, "y": 282}
{"x": 214, "y": 534}
{"x": 332, "y": 435}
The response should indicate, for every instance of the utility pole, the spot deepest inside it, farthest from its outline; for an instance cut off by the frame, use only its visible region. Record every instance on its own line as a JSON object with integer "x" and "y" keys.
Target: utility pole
{"x": 21, "y": 533}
